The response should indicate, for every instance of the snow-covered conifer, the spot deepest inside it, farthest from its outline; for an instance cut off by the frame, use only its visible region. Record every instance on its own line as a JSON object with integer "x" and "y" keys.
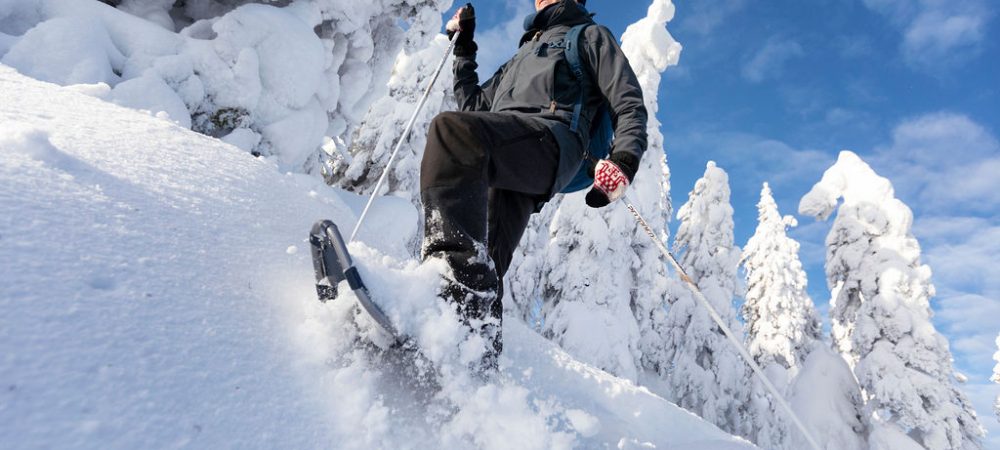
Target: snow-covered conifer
{"x": 603, "y": 280}
{"x": 274, "y": 77}
{"x": 996, "y": 377}
{"x": 357, "y": 43}
{"x": 383, "y": 126}
{"x": 528, "y": 269}
{"x": 781, "y": 321}
{"x": 651, "y": 50}
{"x": 707, "y": 375}
{"x": 881, "y": 313}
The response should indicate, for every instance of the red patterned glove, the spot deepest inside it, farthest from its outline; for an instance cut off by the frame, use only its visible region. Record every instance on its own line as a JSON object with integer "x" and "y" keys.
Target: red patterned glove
{"x": 610, "y": 183}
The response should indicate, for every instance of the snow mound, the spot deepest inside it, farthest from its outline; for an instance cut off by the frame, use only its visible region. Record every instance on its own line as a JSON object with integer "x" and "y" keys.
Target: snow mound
{"x": 289, "y": 73}
{"x": 155, "y": 295}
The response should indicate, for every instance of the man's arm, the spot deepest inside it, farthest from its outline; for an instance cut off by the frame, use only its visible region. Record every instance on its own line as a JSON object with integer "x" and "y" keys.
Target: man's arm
{"x": 469, "y": 94}
{"x": 619, "y": 85}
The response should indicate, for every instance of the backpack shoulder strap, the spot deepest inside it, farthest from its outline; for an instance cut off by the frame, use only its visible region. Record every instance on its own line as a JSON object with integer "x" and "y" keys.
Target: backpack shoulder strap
{"x": 573, "y": 51}
{"x": 576, "y": 66}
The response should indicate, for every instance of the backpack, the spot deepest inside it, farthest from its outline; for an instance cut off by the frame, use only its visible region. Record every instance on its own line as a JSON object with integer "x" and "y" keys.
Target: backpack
{"x": 601, "y": 129}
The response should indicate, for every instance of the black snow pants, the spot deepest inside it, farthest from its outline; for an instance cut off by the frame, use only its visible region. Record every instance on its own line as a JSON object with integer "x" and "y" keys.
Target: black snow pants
{"x": 482, "y": 176}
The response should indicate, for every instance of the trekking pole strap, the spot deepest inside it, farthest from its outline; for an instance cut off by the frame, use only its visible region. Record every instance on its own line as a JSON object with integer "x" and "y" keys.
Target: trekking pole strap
{"x": 402, "y": 138}
{"x": 718, "y": 321}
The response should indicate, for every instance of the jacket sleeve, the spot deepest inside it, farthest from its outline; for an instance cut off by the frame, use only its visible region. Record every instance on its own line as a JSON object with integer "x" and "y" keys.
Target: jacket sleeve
{"x": 469, "y": 94}
{"x": 618, "y": 84}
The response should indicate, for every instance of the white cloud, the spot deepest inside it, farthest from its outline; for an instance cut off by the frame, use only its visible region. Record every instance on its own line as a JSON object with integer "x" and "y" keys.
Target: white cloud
{"x": 854, "y": 46}
{"x": 806, "y": 99}
{"x": 705, "y": 17}
{"x": 943, "y": 161}
{"x": 841, "y": 116}
{"x": 769, "y": 61}
{"x": 679, "y": 74}
{"x": 936, "y": 37}
{"x": 936, "y": 33}
{"x": 971, "y": 320}
{"x": 897, "y": 11}
{"x": 861, "y": 90}
{"x": 941, "y": 137}
{"x": 963, "y": 251}
{"x": 751, "y": 159}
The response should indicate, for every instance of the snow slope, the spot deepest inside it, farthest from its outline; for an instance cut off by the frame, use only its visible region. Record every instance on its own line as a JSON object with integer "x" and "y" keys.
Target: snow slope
{"x": 156, "y": 291}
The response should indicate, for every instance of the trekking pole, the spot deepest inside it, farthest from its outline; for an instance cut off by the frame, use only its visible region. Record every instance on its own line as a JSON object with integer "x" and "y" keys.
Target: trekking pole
{"x": 406, "y": 133}
{"x": 718, "y": 321}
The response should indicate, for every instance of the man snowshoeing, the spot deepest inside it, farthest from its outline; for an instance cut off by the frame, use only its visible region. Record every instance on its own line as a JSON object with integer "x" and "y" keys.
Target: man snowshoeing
{"x": 512, "y": 146}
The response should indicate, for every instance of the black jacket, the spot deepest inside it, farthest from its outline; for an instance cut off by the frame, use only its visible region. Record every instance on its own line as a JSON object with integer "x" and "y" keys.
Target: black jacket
{"x": 538, "y": 82}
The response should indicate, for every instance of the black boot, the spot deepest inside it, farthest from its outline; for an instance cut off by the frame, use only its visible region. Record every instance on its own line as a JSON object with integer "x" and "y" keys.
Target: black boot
{"x": 475, "y": 162}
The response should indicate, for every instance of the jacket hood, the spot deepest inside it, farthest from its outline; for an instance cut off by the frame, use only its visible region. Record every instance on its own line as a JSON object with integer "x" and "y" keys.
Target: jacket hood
{"x": 565, "y": 12}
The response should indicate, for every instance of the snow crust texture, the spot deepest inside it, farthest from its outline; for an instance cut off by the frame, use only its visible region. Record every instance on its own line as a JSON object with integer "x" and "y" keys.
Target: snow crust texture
{"x": 158, "y": 297}
{"x": 132, "y": 308}
{"x": 881, "y": 313}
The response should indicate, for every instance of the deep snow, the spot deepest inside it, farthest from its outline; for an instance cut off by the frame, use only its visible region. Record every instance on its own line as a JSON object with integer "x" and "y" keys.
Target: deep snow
{"x": 157, "y": 292}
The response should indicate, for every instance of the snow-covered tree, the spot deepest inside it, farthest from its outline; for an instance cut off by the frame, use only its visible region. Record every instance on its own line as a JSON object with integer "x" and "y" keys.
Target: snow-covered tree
{"x": 274, "y": 77}
{"x": 358, "y": 41}
{"x": 651, "y": 50}
{"x": 383, "y": 126}
{"x": 589, "y": 286}
{"x": 881, "y": 312}
{"x": 996, "y": 377}
{"x": 781, "y": 321}
{"x": 603, "y": 282}
{"x": 707, "y": 375}
{"x": 528, "y": 269}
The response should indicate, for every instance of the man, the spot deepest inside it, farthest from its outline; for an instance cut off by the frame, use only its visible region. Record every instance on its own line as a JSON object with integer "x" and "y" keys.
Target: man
{"x": 512, "y": 146}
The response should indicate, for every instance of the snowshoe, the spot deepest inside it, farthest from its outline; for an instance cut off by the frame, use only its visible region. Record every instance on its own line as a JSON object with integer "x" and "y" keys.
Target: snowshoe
{"x": 332, "y": 265}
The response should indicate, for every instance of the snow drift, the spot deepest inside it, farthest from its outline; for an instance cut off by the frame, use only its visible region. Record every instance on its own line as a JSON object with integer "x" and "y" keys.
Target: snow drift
{"x": 155, "y": 294}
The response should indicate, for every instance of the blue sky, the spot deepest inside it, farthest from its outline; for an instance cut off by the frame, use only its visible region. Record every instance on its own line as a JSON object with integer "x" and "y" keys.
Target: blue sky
{"x": 773, "y": 90}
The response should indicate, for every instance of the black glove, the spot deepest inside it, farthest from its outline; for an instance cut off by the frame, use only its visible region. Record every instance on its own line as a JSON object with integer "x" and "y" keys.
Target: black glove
{"x": 611, "y": 178}
{"x": 464, "y": 21}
